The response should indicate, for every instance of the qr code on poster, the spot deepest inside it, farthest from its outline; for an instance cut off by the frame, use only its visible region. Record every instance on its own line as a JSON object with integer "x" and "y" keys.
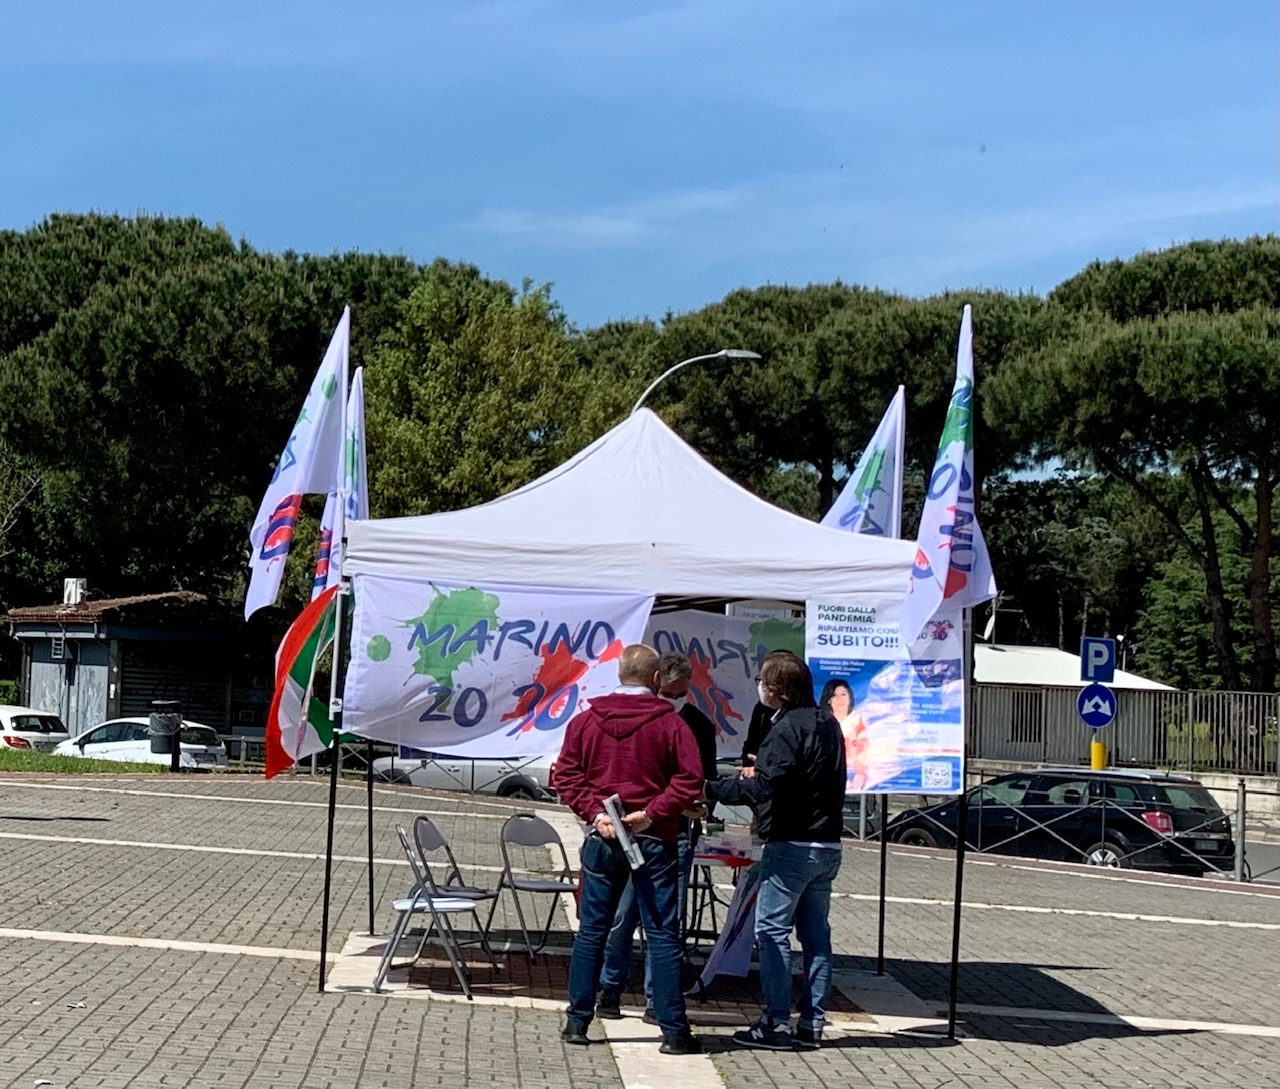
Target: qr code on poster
{"x": 935, "y": 773}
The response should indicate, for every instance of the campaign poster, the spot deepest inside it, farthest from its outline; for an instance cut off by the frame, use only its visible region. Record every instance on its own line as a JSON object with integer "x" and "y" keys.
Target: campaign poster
{"x": 725, "y": 652}
{"x": 902, "y": 716}
{"x": 481, "y": 671}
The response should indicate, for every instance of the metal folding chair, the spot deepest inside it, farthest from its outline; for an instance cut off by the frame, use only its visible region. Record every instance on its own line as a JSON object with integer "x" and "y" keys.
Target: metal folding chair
{"x": 526, "y": 830}
{"x": 430, "y": 838}
{"x": 422, "y": 901}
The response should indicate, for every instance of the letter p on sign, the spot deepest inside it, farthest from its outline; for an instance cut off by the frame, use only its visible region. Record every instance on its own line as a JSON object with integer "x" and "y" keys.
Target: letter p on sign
{"x": 1098, "y": 660}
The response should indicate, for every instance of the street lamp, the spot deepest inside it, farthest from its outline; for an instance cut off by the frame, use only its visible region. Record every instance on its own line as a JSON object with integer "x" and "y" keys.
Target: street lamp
{"x": 723, "y": 353}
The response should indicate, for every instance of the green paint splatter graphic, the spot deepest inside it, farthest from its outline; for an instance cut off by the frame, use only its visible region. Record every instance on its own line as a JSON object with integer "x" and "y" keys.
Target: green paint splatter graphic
{"x": 778, "y": 635}
{"x": 958, "y": 426}
{"x": 871, "y": 480}
{"x": 329, "y": 388}
{"x": 379, "y": 648}
{"x": 461, "y": 610}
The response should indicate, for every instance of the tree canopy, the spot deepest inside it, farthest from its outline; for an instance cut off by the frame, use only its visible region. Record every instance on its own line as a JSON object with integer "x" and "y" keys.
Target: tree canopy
{"x": 1128, "y": 430}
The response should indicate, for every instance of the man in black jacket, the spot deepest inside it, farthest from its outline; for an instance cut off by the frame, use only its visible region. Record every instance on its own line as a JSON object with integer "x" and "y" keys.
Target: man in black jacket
{"x": 797, "y": 790}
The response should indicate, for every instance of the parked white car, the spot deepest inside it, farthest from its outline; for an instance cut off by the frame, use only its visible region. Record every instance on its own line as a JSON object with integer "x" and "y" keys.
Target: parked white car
{"x": 129, "y": 739}
{"x": 27, "y": 728}
{"x": 513, "y": 777}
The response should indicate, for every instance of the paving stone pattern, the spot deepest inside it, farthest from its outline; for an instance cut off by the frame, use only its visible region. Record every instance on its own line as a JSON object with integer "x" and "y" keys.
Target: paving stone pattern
{"x": 162, "y": 1018}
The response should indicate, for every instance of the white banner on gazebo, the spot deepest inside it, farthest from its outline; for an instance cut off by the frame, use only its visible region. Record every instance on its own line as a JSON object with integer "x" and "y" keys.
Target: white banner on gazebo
{"x": 726, "y": 652}
{"x": 473, "y": 670}
{"x": 902, "y": 717}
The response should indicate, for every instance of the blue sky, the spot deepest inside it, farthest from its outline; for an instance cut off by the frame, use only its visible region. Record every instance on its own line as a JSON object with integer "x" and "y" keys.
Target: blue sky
{"x": 646, "y": 157}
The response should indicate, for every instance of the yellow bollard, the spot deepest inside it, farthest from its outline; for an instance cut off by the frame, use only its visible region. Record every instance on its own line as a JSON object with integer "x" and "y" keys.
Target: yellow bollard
{"x": 1098, "y": 755}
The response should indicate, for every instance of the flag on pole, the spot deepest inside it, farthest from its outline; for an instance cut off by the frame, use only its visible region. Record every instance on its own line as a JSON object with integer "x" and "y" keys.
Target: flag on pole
{"x": 309, "y": 465}
{"x": 952, "y": 566}
{"x": 298, "y": 724}
{"x": 355, "y": 486}
{"x": 871, "y": 502}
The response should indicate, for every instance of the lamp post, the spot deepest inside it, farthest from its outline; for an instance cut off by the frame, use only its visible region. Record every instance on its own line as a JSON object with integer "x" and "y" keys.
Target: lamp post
{"x": 723, "y": 353}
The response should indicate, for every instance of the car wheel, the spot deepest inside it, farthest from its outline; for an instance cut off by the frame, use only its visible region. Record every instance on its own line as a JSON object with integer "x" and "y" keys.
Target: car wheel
{"x": 1106, "y": 854}
{"x": 397, "y": 777}
{"x": 520, "y": 789}
{"x": 917, "y": 837}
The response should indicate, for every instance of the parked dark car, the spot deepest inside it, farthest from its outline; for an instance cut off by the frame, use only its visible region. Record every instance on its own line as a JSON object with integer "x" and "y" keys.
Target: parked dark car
{"x": 1137, "y": 819}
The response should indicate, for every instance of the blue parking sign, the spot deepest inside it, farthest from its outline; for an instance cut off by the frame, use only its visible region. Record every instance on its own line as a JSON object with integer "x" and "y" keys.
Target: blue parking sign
{"x": 1097, "y": 660}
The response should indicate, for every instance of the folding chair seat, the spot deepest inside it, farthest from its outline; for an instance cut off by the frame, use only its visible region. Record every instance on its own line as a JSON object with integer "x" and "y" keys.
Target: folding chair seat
{"x": 422, "y": 900}
{"x": 527, "y": 830}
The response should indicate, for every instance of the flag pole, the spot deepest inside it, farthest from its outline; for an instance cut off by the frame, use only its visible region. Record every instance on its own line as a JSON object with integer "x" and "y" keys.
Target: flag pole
{"x": 962, "y": 835}
{"x": 335, "y": 752}
{"x": 368, "y": 822}
{"x": 884, "y": 858}
{"x": 335, "y": 702}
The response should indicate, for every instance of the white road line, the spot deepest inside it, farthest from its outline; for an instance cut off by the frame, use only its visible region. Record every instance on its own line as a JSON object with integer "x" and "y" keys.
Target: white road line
{"x": 257, "y": 801}
{"x": 1145, "y": 1024}
{"x": 160, "y": 943}
{"x": 977, "y": 905}
{"x": 200, "y": 848}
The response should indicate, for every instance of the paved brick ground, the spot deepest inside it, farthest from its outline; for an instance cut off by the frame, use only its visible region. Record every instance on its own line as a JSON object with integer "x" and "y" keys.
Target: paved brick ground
{"x": 160, "y": 1018}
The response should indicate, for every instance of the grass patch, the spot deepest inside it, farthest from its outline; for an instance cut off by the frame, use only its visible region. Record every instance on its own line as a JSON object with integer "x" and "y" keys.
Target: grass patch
{"x": 29, "y": 760}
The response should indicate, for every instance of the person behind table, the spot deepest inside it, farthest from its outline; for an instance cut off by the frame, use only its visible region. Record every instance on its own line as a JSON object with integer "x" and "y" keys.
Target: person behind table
{"x": 757, "y": 730}
{"x": 630, "y": 743}
{"x": 674, "y": 673}
{"x": 797, "y": 789}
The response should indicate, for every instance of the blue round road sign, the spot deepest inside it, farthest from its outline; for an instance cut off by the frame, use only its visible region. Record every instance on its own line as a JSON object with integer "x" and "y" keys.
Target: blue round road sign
{"x": 1097, "y": 705}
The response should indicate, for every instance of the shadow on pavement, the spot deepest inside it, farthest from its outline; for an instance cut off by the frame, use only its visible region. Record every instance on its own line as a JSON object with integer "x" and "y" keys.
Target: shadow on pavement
{"x": 1029, "y": 987}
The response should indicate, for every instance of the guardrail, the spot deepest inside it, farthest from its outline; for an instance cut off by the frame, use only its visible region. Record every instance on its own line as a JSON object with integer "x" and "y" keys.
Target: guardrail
{"x": 248, "y": 753}
{"x": 1239, "y": 868}
{"x": 1235, "y": 732}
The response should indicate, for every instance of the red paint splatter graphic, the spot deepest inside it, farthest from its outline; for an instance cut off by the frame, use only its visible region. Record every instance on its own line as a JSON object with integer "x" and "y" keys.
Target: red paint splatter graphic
{"x": 712, "y": 701}
{"x": 551, "y": 698}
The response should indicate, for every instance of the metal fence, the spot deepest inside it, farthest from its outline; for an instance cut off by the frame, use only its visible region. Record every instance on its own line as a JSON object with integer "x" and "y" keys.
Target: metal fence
{"x": 1236, "y": 732}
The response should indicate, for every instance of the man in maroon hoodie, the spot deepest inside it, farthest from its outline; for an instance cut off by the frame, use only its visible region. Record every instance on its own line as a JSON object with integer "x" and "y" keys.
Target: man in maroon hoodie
{"x": 630, "y": 743}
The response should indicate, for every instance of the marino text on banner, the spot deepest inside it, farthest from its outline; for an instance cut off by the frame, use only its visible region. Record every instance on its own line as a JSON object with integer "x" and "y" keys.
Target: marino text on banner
{"x": 482, "y": 671}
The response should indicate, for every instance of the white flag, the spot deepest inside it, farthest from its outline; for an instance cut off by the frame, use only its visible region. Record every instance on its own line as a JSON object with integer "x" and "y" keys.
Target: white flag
{"x": 308, "y": 465}
{"x": 871, "y": 502}
{"x": 951, "y": 564}
{"x": 355, "y": 485}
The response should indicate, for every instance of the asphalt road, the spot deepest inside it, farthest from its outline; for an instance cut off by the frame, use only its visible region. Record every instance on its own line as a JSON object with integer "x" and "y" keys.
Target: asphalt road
{"x": 162, "y": 931}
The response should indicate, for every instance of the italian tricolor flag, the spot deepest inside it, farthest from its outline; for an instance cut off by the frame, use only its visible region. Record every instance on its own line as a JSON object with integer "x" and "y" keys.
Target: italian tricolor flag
{"x": 298, "y": 724}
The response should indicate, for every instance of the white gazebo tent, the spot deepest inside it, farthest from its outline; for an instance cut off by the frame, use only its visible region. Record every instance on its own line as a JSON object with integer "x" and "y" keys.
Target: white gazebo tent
{"x": 638, "y": 509}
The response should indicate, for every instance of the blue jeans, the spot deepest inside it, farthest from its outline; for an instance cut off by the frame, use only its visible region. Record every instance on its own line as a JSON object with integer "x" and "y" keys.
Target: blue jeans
{"x": 617, "y": 951}
{"x": 605, "y": 876}
{"x": 795, "y": 889}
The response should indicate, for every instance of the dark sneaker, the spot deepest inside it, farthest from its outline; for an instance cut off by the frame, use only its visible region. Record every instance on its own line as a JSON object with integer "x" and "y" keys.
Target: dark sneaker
{"x": 680, "y": 1043}
{"x": 808, "y": 1039}
{"x": 608, "y": 1006}
{"x": 575, "y": 1033}
{"x": 767, "y": 1037}
{"x": 649, "y": 1018}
